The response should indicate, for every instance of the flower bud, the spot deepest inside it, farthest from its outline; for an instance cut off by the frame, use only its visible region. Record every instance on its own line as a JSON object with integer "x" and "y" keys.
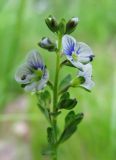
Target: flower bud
{"x": 62, "y": 26}
{"x": 52, "y": 23}
{"x": 71, "y": 25}
{"x": 46, "y": 43}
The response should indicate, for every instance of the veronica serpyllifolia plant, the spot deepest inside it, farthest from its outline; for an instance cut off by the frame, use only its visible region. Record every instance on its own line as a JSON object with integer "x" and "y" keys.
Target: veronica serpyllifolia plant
{"x": 33, "y": 76}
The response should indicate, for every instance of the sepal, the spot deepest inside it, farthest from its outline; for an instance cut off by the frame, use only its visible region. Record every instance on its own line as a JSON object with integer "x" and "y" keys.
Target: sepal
{"x": 77, "y": 81}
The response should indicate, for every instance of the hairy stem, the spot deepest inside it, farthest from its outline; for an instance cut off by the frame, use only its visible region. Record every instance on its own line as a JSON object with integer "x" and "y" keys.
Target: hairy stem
{"x": 55, "y": 96}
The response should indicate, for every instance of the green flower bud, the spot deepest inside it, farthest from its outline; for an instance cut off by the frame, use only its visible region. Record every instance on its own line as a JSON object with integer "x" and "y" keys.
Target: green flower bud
{"x": 46, "y": 43}
{"x": 52, "y": 23}
{"x": 62, "y": 26}
{"x": 71, "y": 25}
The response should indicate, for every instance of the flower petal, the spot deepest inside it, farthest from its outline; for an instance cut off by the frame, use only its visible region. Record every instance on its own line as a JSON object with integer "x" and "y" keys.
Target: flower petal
{"x": 87, "y": 73}
{"x": 77, "y": 64}
{"x": 68, "y": 43}
{"x": 23, "y": 74}
{"x": 34, "y": 60}
{"x": 38, "y": 85}
{"x": 85, "y": 54}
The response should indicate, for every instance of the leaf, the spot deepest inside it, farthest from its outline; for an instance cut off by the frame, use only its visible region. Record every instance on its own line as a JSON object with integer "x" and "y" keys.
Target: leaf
{"x": 65, "y": 102}
{"x": 69, "y": 118}
{"x": 65, "y": 83}
{"x": 45, "y": 111}
{"x": 55, "y": 114}
{"x": 65, "y": 95}
{"x": 44, "y": 102}
{"x": 71, "y": 123}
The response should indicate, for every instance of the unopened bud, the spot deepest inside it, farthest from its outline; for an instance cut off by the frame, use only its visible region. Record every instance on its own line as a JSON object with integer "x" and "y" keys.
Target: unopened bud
{"x": 62, "y": 26}
{"x": 52, "y": 23}
{"x": 71, "y": 25}
{"x": 46, "y": 43}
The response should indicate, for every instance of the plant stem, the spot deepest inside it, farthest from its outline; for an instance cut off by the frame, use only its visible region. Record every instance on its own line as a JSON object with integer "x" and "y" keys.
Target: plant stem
{"x": 55, "y": 96}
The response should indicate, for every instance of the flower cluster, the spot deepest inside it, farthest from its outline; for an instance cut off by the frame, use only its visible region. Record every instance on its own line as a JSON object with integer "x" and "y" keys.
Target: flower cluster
{"x": 33, "y": 76}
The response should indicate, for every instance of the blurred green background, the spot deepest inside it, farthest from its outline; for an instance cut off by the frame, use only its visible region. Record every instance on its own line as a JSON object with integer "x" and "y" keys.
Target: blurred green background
{"x": 21, "y": 27}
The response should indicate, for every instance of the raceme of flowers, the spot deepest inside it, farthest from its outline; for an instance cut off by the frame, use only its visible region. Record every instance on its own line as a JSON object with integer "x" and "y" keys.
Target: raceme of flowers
{"x": 33, "y": 76}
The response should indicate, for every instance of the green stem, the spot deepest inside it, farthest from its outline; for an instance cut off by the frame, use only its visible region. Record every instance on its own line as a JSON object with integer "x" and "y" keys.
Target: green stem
{"x": 55, "y": 96}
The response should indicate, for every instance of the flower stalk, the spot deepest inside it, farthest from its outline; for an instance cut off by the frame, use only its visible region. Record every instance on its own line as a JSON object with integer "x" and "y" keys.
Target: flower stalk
{"x": 55, "y": 94}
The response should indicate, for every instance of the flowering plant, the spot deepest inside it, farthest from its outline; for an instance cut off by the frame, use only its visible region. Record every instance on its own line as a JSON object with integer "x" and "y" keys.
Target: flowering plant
{"x": 33, "y": 76}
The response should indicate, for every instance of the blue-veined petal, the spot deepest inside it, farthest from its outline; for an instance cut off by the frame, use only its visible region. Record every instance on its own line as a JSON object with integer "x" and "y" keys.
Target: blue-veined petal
{"x": 23, "y": 74}
{"x": 77, "y": 64}
{"x": 84, "y": 52}
{"x": 68, "y": 44}
{"x": 34, "y": 60}
{"x": 87, "y": 74}
{"x": 78, "y": 53}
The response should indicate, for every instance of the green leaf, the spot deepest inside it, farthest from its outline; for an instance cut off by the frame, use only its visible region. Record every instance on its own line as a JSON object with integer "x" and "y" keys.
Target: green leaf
{"x": 65, "y": 83}
{"x": 65, "y": 102}
{"x": 45, "y": 111}
{"x": 69, "y": 118}
{"x": 71, "y": 123}
{"x": 65, "y": 95}
{"x": 44, "y": 98}
{"x": 44, "y": 102}
{"x": 55, "y": 114}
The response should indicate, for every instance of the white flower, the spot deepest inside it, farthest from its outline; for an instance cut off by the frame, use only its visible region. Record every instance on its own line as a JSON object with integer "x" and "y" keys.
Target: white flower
{"x": 78, "y": 53}
{"x": 86, "y": 74}
{"x": 32, "y": 75}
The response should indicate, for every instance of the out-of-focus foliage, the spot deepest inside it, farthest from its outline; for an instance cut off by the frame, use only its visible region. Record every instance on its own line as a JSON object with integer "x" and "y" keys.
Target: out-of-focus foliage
{"x": 21, "y": 28}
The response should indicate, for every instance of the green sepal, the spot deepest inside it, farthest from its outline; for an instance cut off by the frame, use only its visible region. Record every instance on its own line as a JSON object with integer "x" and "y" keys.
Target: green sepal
{"x": 65, "y": 83}
{"x": 66, "y": 102}
{"x": 72, "y": 121}
{"x": 77, "y": 81}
